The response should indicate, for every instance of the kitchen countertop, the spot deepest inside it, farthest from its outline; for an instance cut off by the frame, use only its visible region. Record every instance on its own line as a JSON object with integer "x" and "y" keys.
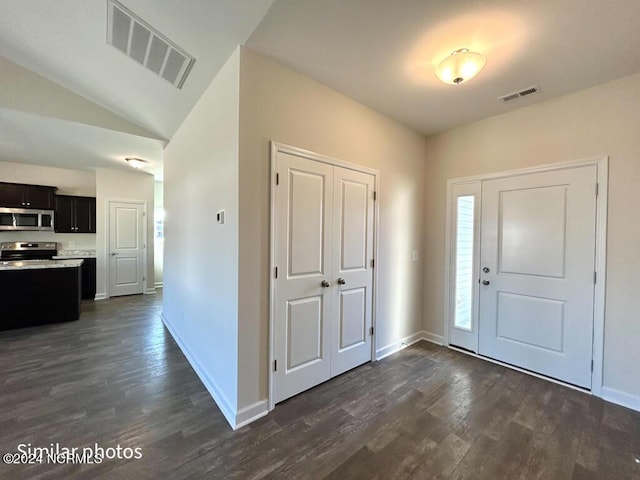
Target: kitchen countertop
{"x": 68, "y": 254}
{"x": 39, "y": 264}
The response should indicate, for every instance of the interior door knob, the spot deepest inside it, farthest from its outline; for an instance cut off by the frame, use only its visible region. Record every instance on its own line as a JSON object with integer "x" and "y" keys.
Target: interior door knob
{"x": 486, "y": 282}
{"x": 325, "y": 284}
{"x": 113, "y": 254}
{"x": 341, "y": 281}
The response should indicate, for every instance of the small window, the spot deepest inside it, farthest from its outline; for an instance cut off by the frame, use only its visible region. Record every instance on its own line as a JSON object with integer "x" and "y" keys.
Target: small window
{"x": 464, "y": 262}
{"x": 159, "y": 223}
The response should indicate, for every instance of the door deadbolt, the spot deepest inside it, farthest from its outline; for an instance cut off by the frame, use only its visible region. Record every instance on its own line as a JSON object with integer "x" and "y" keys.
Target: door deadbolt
{"x": 486, "y": 270}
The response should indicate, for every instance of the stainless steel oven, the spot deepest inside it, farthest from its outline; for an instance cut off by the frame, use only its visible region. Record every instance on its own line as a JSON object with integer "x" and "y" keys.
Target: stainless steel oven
{"x": 26, "y": 219}
{"x": 11, "y": 251}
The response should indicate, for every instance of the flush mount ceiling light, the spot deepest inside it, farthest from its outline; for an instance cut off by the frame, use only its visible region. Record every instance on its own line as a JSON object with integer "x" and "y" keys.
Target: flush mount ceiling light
{"x": 459, "y": 67}
{"x": 136, "y": 162}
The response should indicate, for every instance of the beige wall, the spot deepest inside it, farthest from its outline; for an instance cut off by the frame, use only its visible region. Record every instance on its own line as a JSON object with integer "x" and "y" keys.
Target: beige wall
{"x": 120, "y": 185}
{"x": 69, "y": 182}
{"x": 279, "y": 104}
{"x": 604, "y": 120}
{"x": 200, "y": 300}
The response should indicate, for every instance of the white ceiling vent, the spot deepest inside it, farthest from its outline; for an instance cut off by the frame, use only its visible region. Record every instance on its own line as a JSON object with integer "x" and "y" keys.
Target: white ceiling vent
{"x": 140, "y": 41}
{"x": 522, "y": 93}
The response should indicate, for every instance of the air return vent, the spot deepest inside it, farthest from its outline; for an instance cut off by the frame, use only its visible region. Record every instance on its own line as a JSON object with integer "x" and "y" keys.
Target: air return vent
{"x": 140, "y": 41}
{"x": 522, "y": 93}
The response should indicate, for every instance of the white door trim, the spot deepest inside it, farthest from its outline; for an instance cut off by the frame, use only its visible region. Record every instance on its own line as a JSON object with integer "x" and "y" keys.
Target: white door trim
{"x": 277, "y": 147}
{"x": 602, "y": 164}
{"x": 107, "y": 230}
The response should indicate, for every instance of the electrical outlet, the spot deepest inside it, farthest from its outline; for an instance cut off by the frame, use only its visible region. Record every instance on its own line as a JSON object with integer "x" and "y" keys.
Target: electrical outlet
{"x": 220, "y": 216}
{"x": 415, "y": 256}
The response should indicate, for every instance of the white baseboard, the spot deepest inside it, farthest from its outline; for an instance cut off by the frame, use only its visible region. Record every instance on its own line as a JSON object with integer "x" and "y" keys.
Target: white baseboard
{"x": 399, "y": 345}
{"x": 158, "y": 285}
{"x": 621, "y": 398}
{"x": 253, "y": 412}
{"x": 410, "y": 340}
{"x": 227, "y": 410}
{"x": 433, "y": 338}
{"x": 100, "y": 296}
{"x": 150, "y": 291}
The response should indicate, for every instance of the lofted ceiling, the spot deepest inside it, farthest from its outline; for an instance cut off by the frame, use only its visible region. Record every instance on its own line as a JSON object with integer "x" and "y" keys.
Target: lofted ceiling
{"x": 64, "y": 41}
{"x": 70, "y": 100}
{"x": 383, "y": 53}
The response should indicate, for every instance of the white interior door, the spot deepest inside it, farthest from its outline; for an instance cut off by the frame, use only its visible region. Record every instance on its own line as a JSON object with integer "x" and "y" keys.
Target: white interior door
{"x": 303, "y": 239}
{"x": 353, "y": 217}
{"x": 323, "y": 285}
{"x": 537, "y": 256}
{"x": 126, "y": 248}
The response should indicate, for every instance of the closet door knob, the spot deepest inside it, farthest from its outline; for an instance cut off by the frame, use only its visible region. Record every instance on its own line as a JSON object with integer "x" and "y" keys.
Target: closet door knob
{"x": 325, "y": 284}
{"x": 341, "y": 281}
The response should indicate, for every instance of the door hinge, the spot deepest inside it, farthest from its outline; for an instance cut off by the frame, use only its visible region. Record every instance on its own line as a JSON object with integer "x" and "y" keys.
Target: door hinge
{"x": 276, "y": 272}
{"x": 375, "y": 196}
{"x": 144, "y": 279}
{"x": 144, "y": 214}
{"x": 595, "y": 277}
{"x": 597, "y": 189}
{"x": 275, "y": 365}
{"x": 277, "y": 179}
{"x": 373, "y": 263}
{"x": 371, "y": 331}
{"x": 592, "y": 364}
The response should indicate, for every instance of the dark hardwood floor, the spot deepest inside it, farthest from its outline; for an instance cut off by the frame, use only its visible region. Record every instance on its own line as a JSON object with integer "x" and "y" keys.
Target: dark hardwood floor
{"x": 117, "y": 377}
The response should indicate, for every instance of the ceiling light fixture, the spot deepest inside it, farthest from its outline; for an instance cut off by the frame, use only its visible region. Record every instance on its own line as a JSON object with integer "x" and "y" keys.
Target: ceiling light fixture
{"x": 136, "y": 162}
{"x": 459, "y": 67}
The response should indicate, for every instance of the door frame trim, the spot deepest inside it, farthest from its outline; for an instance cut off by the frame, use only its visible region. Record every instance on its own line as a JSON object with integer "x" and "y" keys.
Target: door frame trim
{"x": 277, "y": 147}
{"x": 107, "y": 221}
{"x": 602, "y": 165}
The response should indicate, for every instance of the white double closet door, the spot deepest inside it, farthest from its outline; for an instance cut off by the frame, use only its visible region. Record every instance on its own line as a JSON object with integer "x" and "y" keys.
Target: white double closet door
{"x": 524, "y": 261}
{"x": 323, "y": 247}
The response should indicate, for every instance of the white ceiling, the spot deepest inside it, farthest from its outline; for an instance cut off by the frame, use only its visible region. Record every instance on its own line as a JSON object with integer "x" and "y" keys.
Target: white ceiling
{"x": 70, "y": 100}
{"x": 382, "y": 53}
{"x": 65, "y": 42}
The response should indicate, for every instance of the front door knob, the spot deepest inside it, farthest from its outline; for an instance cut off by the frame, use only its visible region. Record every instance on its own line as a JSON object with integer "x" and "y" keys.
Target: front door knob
{"x": 486, "y": 282}
{"x": 325, "y": 284}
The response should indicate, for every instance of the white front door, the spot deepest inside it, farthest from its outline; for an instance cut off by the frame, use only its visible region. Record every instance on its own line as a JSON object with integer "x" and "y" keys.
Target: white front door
{"x": 323, "y": 287}
{"x": 353, "y": 211}
{"x": 537, "y": 278}
{"x": 126, "y": 248}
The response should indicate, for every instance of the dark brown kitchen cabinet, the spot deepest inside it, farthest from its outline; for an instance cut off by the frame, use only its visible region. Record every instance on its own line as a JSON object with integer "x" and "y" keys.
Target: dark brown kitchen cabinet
{"x": 89, "y": 279}
{"x": 18, "y": 195}
{"x": 75, "y": 214}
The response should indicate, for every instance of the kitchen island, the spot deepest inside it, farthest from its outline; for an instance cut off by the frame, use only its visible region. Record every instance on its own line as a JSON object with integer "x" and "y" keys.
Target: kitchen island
{"x": 35, "y": 292}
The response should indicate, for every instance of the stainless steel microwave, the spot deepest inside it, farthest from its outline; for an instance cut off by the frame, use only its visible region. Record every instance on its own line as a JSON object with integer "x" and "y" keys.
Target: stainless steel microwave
{"x": 26, "y": 219}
